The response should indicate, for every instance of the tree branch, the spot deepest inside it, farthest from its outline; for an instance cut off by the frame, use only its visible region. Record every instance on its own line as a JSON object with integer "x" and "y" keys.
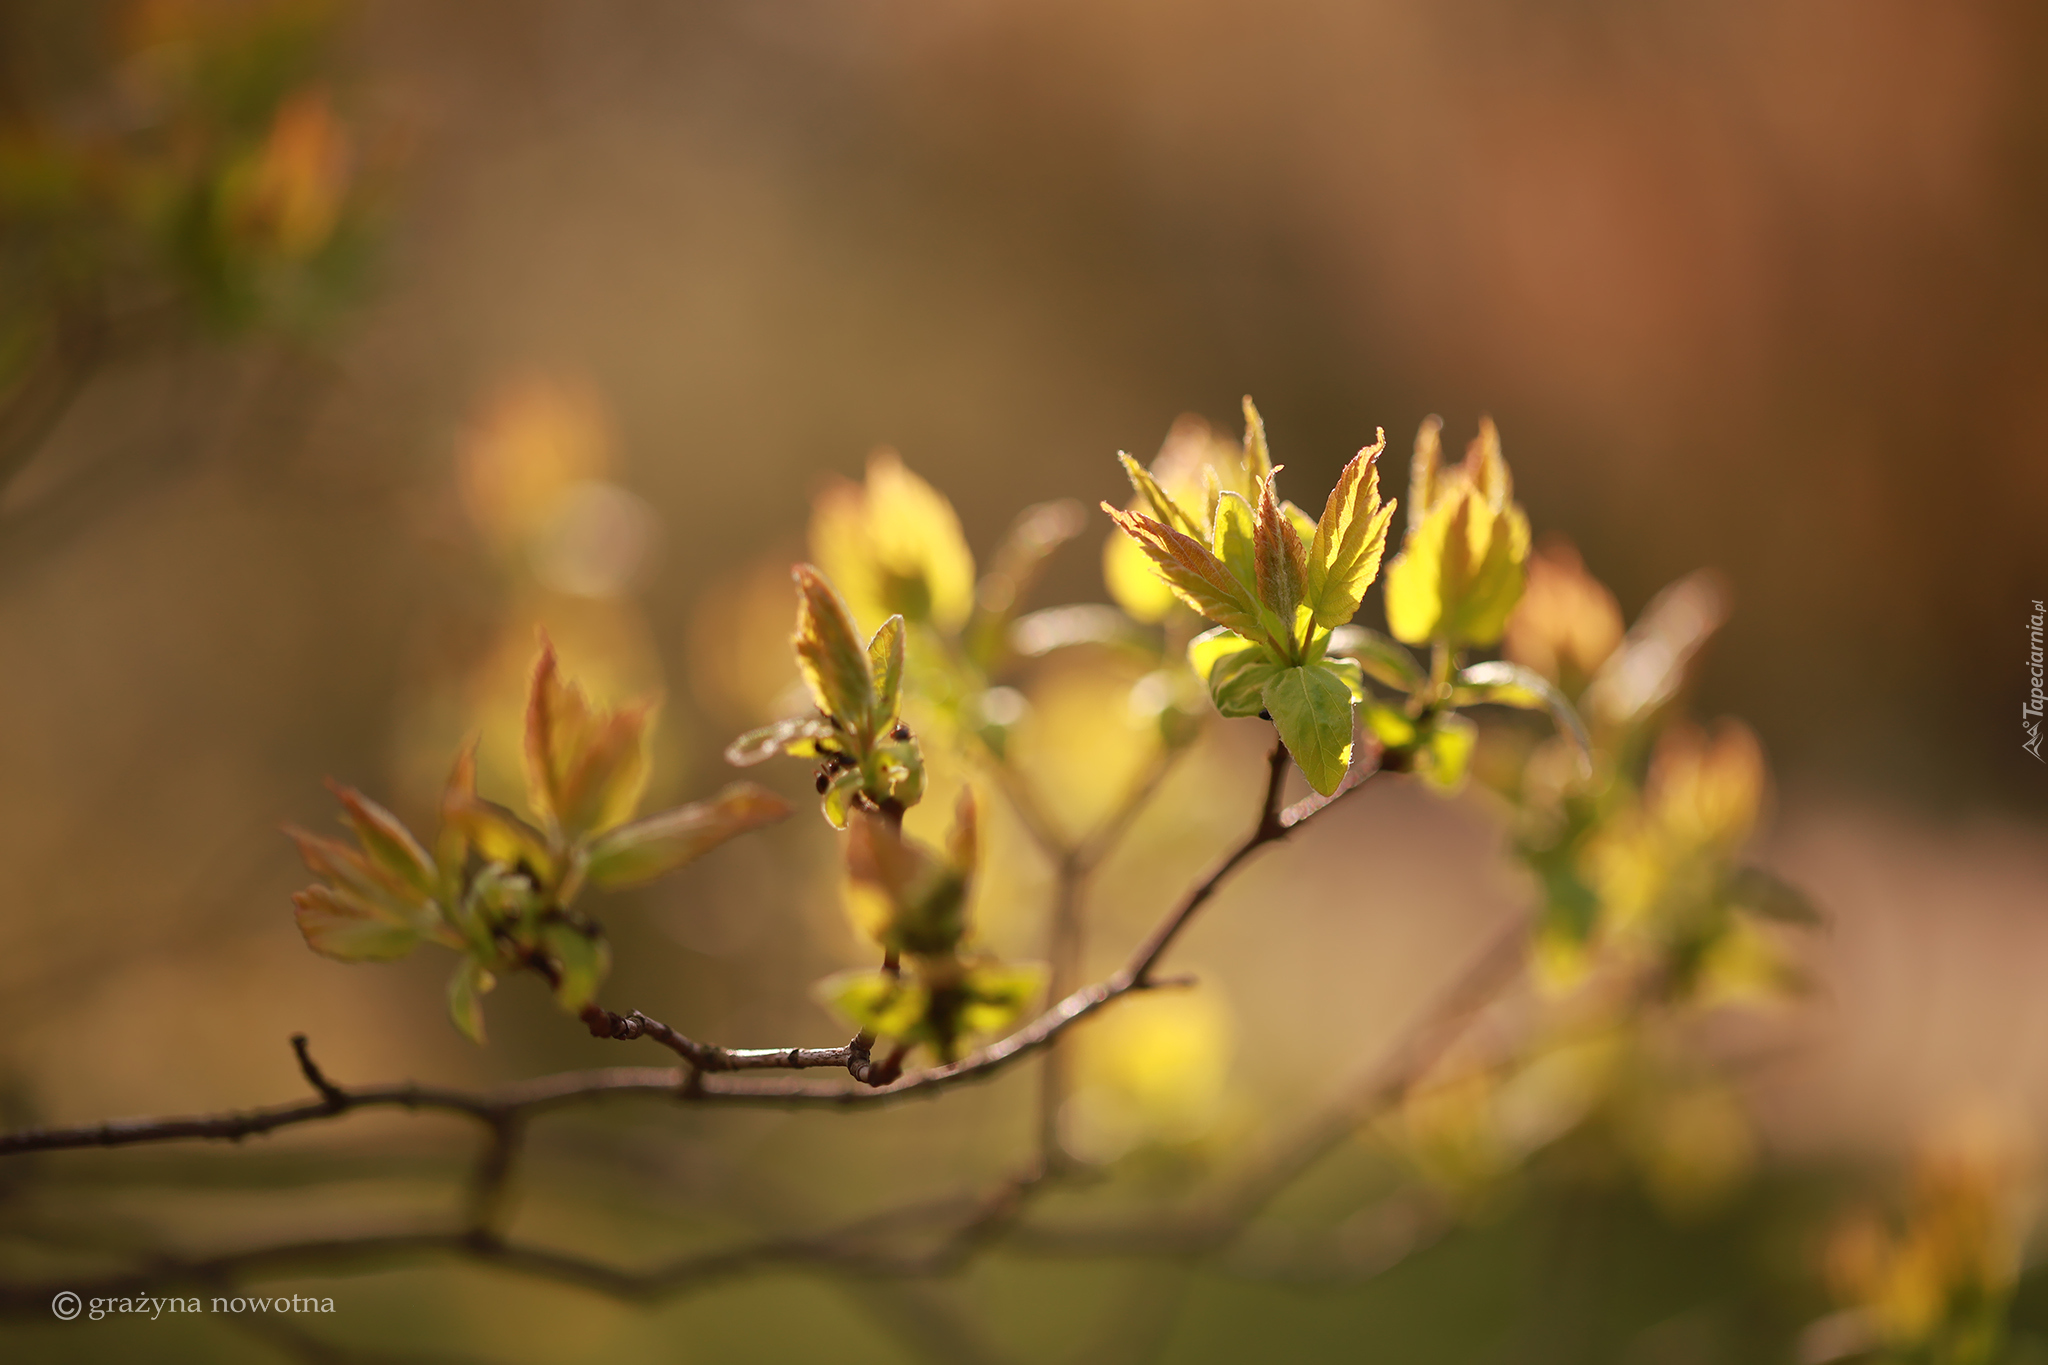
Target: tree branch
{"x": 693, "y": 1084}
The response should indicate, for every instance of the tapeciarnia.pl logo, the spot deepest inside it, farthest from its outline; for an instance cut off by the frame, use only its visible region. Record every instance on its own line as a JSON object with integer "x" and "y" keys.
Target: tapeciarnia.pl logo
{"x": 2031, "y": 708}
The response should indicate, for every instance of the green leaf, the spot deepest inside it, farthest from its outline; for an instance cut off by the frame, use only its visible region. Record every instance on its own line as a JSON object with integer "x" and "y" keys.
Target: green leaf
{"x": 1344, "y": 556}
{"x": 1235, "y": 539}
{"x": 349, "y": 927}
{"x": 387, "y": 842}
{"x": 1391, "y": 727}
{"x": 1169, "y": 512}
{"x": 893, "y": 546}
{"x": 583, "y": 959}
{"x": 1352, "y": 674}
{"x": 1500, "y": 683}
{"x": 1195, "y": 574}
{"x": 1462, "y": 565}
{"x": 1311, "y": 707}
{"x": 829, "y": 654}
{"x": 497, "y": 834}
{"x": 1382, "y": 658}
{"x": 466, "y": 989}
{"x": 839, "y": 795}
{"x": 1235, "y": 669}
{"x": 885, "y": 663}
{"x": 998, "y": 994}
{"x": 1237, "y": 684}
{"x": 635, "y": 853}
{"x": 585, "y": 768}
{"x": 1446, "y": 752}
{"x": 926, "y": 895}
{"x": 881, "y": 1003}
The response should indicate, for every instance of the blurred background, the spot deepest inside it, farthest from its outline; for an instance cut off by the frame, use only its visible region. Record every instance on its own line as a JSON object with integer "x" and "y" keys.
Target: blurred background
{"x": 343, "y": 351}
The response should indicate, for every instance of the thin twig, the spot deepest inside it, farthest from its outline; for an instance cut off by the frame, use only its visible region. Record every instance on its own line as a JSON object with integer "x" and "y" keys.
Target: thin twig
{"x": 693, "y": 1084}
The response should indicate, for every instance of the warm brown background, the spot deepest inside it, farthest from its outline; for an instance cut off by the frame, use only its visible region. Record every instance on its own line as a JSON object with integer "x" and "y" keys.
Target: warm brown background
{"x": 1756, "y": 285}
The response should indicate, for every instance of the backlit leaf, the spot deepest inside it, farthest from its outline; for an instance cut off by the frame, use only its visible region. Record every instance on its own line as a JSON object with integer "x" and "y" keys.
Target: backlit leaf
{"x": 1235, "y": 539}
{"x": 1311, "y": 708}
{"x": 1344, "y": 556}
{"x": 840, "y": 795}
{"x": 386, "y": 841}
{"x": 885, "y": 663}
{"x": 631, "y": 854}
{"x": 582, "y": 960}
{"x": 1461, "y": 568}
{"x": 829, "y": 653}
{"x": 998, "y": 994}
{"x": 880, "y": 1003}
{"x": 1655, "y": 657}
{"x": 1235, "y": 670}
{"x": 1196, "y": 576}
{"x": 1446, "y": 752}
{"x": 466, "y": 989}
{"x": 893, "y": 544}
{"x": 1168, "y": 512}
{"x": 348, "y": 927}
{"x": 1382, "y": 659}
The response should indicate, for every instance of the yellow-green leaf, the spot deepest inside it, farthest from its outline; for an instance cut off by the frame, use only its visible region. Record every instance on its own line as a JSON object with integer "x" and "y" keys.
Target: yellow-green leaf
{"x": 466, "y": 989}
{"x": 1462, "y": 567}
{"x": 839, "y": 796}
{"x": 829, "y": 653}
{"x": 1311, "y": 708}
{"x": 880, "y": 1003}
{"x": 1391, "y": 727}
{"x": 638, "y": 852}
{"x": 349, "y": 927}
{"x": 998, "y": 994}
{"x": 1235, "y": 539}
{"x": 1344, "y": 556}
{"x": 582, "y": 961}
{"x": 1169, "y": 512}
{"x": 885, "y": 665}
{"x": 1195, "y": 574}
{"x": 497, "y": 834}
{"x": 1446, "y": 752}
{"x": 386, "y": 841}
{"x": 1381, "y": 658}
{"x": 894, "y": 546}
{"x": 1132, "y": 581}
{"x": 1234, "y": 669}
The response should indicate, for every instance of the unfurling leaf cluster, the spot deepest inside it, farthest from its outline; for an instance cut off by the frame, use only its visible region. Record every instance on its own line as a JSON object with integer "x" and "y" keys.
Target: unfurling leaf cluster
{"x": 502, "y": 889}
{"x": 867, "y": 757}
{"x": 1275, "y": 584}
{"x": 1281, "y": 589}
{"x": 913, "y": 902}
